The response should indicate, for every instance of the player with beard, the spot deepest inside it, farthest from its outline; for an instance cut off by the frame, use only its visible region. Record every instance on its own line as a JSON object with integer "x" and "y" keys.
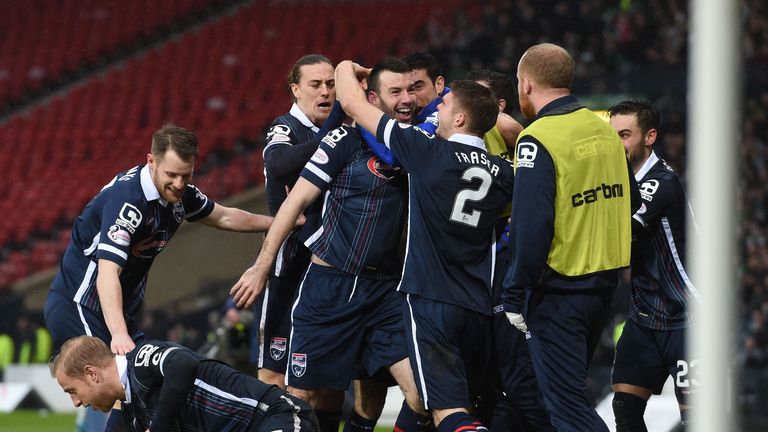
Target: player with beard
{"x": 652, "y": 345}
{"x": 570, "y": 234}
{"x": 103, "y": 274}
{"x": 347, "y": 312}
{"x": 456, "y": 194}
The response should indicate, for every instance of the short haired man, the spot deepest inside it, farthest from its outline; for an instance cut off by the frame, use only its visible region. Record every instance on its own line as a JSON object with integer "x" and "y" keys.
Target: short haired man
{"x": 501, "y": 138}
{"x": 103, "y": 274}
{"x": 347, "y": 312}
{"x": 570, "y": 234}
{"x": 428, "y": 84}
{"x": 652, "y": 346}
{"x": 456, "y": 194}
{"x": 165, "y": 386}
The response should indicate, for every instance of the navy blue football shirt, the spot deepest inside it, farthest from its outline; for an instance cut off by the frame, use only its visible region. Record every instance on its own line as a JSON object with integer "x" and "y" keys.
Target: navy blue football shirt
{"x": 170, "y": 387}
{"x": 290, "y": 130}
{"x": 362, "y": 208}
{"x": 661, "y": 288}
{"x": 456, "y": 194}
{"x": 129, "y": 224}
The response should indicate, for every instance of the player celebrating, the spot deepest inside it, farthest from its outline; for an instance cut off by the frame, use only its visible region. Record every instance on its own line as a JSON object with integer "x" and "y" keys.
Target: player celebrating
{"x": 100, "y": 285}
{"x": 652, "y": 345}
{"x": 347, "y": 312}
{"x": 291, "y": 140}
{"x": 103, "y": 273}
{"x": 165, "y": 386}
{"x": 456, "y": 195}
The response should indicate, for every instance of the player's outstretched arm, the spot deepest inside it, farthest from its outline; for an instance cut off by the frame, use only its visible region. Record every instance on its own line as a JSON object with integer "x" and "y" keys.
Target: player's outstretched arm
{"x": 252, "y": 282}
{"x": 235, "y": 219}
{"x": 352, "y": 97}
{"x": 111, "y": 301}
{"x": 509, "y": 129}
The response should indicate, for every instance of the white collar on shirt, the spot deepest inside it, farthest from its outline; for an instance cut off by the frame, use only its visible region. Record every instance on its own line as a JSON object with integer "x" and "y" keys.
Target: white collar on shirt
{"x": 122, "y": 372}
{"x": 471, "y": 140}
{"x": 150, "y": 191}
{"x": 651, "y": 161}
{"x": 299, "y": 114}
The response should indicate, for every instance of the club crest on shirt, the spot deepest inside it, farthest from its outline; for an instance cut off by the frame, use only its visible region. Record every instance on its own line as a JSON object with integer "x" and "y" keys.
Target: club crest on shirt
{"x": 119, "y": 236}
{"x": 277, "y": 348}
{"x": 298, "y": 364}
{"x": 379, "y": 168}
{"x": 178, "y": 212}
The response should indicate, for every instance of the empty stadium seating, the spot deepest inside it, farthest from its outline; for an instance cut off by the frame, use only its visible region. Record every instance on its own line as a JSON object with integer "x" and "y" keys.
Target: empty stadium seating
{"x": 41, "y": 44}
{"x": 224, "y": 80}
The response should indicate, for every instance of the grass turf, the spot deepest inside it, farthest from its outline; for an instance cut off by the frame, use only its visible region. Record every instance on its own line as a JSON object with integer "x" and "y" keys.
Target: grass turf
{"x": 29, "y": 420}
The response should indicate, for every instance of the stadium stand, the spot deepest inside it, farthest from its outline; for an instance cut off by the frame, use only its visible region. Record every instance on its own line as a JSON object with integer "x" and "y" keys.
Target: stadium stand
{"x": 46, "y": 45}
{"x": 205, "y": 79}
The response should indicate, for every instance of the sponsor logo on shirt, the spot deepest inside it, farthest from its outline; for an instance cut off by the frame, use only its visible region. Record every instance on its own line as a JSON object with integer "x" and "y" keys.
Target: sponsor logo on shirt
{"x": 378, "y": 168}
{"x": 119, "y": 236}
{"x": 298, "y": 364}
{"x": 526, "y": 154}
{"x": 648, "y": 188}
{"x": 277, "y": 348}
{"x": 320, "y": 157}
{"x": 151, "y": 246}
{"x": 590, "y": 196}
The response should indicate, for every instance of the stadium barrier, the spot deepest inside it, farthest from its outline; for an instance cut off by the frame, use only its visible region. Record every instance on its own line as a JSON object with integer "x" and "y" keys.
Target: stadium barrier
{"x": 32, "y": 381}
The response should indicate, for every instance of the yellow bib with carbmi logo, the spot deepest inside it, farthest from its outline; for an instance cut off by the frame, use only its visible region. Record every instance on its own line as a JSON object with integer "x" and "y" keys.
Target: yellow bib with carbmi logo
{"x": 592, "y": 230}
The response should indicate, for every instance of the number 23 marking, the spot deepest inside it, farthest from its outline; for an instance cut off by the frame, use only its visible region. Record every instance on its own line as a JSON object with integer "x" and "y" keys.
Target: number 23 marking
{"x": 472, "y": 218}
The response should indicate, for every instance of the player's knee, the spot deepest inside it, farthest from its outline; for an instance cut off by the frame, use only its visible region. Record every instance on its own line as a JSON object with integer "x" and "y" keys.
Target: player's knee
{"x": 628, "y": 410}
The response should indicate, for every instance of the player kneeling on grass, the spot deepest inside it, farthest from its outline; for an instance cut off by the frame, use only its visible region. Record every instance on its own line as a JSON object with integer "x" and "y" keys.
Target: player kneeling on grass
{"x": 165, "y": 386}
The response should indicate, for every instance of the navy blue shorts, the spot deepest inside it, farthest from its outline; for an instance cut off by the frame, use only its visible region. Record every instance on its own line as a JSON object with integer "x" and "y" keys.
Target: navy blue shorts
{"x": 450, "y": 352}
{"x": 288, "y": 413}
{"x": 342, "y": 322}
{"x": 272, "y": 323}
{"x": 565, "y": 328}
{"x": 66, "y": 319}
{"x": 647, "y": 357}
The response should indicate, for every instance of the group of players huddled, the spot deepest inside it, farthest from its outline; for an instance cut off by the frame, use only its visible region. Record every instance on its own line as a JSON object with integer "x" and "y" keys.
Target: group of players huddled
{"x": 421, "y": 238}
